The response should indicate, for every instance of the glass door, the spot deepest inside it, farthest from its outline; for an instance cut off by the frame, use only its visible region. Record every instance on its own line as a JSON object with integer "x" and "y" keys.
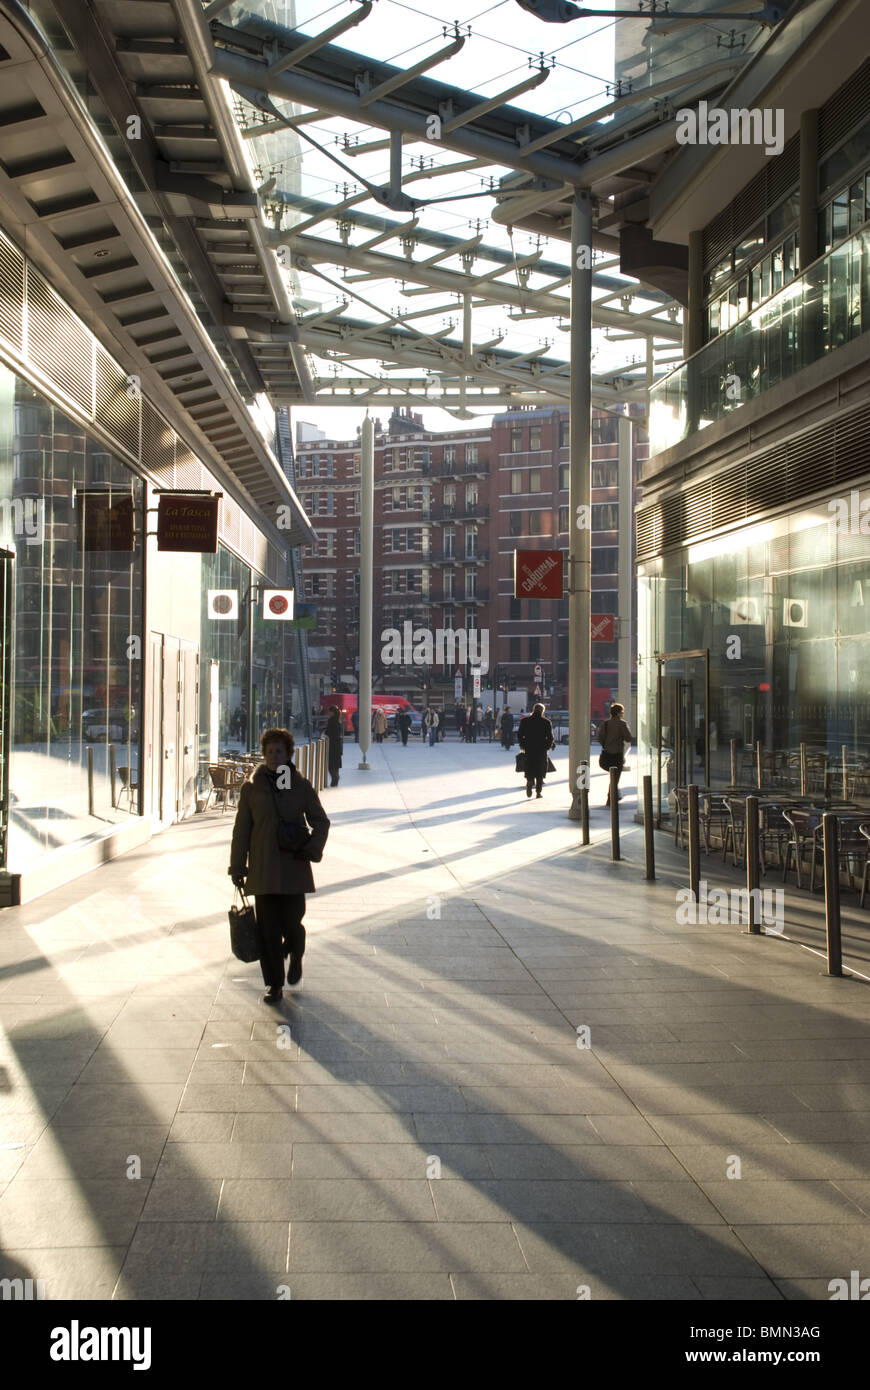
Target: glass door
{"x": 683, "y": 735}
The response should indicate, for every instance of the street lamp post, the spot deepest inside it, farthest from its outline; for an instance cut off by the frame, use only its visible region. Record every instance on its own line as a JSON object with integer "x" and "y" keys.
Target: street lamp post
{"x": 367, "y": 504}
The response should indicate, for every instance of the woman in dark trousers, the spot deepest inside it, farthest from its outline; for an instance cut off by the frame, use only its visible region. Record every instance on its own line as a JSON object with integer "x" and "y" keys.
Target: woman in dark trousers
{"x": 336, "y": 743}
{"x": 535, "y": 737}
{"x": 506, "y": 724}
{"x": 278, "y": 878}
{"x": 615, "y": 736}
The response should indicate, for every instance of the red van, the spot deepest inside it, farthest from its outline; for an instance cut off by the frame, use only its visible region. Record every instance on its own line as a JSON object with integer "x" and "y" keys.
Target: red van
{"x": 390, "y": 704}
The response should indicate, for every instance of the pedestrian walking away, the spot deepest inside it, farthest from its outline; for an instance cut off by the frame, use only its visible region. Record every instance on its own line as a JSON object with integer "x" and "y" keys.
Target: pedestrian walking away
{"x": 470, "y": 725}
{"x": 506, "y": 724}
{"x": 354, "y": 719}
{"x": 430, "y": 723}
{"x": 403, "y": 722}
{"x": 535, "y": 737}
{"x": 336, "y": 743}
{"x": 489, "y": 722}
{"x": 615, "y": 737}
{"x": 279, "y": 832}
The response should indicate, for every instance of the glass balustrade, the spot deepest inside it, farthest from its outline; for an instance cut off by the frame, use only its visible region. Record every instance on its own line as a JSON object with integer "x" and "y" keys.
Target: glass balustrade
{"x": 820, "y": 311}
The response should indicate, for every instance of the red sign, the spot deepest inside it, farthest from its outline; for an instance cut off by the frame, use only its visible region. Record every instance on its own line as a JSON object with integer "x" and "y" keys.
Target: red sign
{"x": 187, "y": 522}
{"x": 538, "y": 573}
{"x": 603, "y": 627}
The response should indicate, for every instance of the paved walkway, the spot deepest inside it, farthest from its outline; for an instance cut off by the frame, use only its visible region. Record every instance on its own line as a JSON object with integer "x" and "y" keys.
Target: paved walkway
{"x": 418, "y": 1121}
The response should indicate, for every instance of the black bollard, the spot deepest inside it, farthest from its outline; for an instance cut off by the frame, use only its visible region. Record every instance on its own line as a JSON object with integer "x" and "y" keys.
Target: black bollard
{"x": 614, "y": 813}
{"x": 694, "y": 844}
{"x": 584, "y": 814}
{"x": 831, "y": 837}
{"x": 649, "y": 828}
{"x": 752, "y": 864}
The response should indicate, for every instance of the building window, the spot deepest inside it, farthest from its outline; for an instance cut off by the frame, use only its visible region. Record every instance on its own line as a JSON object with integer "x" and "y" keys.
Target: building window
{"x": 353, "y": 504}
{"x": 515, "y": 610}
{"x": 564, "y": 432}
{"x": 449, "y": 453}
{"x": 388, "y": 460}
{"x": 515, "y": 650}
{"x": 605, "y": 429}
{"x": 517, "y": 439}
{"x": 564, "y": 477}
{"x": 471, "y": 542}
{"x": 450, "y": 583}
{"x": 517, "y": 480}
{"x": 534, "y": 480}
{"x": 355, "y": 544}
{"x": 534, "y": 523}
{"x": 534, "y": 610}
{"x": 449, "y": 542}
{"x": 605, "y": 559}
{"x": 534, "y": 436}
{"x": 515, "y": 523}
{"x": 605, "y": 516}
{"x": 604, "y": 475}
{"x": 563, "y": 518}
{"x": 471, "y": 453}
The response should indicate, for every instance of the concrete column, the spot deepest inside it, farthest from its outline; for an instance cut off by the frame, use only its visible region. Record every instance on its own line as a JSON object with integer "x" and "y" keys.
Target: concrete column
{"x": 626, "y": 568}
{"x": 580, "y": 495}
{"x": 366, "y": 568}
{"x": 809, "y": 160}
{"x": 693, "y": 316}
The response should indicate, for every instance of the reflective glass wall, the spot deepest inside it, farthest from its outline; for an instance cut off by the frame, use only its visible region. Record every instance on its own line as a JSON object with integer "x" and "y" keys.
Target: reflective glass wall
{"x": 783, "y": 609}
{"x": 73, "y": 630}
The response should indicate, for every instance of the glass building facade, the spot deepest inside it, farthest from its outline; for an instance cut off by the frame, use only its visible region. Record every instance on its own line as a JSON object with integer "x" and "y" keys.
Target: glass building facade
{"x": 760, "y": 636}
{"x": 72, "y": 689}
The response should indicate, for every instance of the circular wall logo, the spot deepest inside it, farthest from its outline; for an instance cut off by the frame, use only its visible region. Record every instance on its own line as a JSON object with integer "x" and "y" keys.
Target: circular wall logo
{"x": 278, "y": 604}
{"x": 222, "y": 603}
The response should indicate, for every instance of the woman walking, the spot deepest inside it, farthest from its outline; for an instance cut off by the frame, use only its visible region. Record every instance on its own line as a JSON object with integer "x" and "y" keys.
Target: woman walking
{"x": 379, "y": 725}
{"x": 279, "y": 832}
{"x": 615, "y": 736}
{"x": 336, "y": 743}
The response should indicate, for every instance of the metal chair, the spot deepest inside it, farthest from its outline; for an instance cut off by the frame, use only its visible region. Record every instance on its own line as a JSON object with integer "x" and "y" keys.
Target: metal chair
{"x": 864, "y": 829}
{"x": 851, "y": 844}
{"x": 224, "y": 780}
{"x": 128, "y": 784}
{"x": 805, "y": 828}
{"x": 735, "y": 829}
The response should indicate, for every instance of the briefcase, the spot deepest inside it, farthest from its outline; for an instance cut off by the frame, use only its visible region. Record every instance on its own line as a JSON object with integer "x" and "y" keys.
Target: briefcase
{"x": 244, "y": 937}
{"x": 521, "y": 762}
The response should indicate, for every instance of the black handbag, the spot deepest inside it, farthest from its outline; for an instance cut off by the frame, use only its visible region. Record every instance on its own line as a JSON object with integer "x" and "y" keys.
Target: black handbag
{"x": 521, "y": 762}
{"x": 244, "y": 936}
{"x": 551, "y": 766}
{"x": 291, "y": 835}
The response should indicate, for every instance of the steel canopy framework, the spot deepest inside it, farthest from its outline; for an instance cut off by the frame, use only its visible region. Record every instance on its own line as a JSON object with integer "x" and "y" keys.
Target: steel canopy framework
{"x": 537, "y": 164}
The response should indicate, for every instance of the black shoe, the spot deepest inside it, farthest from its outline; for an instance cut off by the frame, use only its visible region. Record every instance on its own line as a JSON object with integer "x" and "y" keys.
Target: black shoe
{"x": 273, "y": 996}
{"x": 538, "y": 795}
{"x": 294, "y": 970}
{"x": 528, "y": 791}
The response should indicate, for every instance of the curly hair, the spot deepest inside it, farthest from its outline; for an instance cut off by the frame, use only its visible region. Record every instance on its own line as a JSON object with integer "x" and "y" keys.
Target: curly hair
{"x": 285, "y": 737}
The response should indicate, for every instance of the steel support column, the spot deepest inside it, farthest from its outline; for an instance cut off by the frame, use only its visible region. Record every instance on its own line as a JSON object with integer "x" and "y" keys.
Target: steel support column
{"x": 366, "y": 547}
{"x": 626, "y": 569}
{"x": 580, "y": 494}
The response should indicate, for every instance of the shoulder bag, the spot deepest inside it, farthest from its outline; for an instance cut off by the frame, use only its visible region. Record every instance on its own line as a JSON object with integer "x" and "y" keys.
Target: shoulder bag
{"x": 291, "y": 835}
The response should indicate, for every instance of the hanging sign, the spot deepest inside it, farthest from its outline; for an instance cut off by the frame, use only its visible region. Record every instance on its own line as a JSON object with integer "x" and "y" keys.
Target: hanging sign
{"x": 104, "y": 522}
{"x": 223, "y": 603}
{"x": 538, "y": 574}
{"x": 278, "y": 605}
{"x": 187, "y": 521}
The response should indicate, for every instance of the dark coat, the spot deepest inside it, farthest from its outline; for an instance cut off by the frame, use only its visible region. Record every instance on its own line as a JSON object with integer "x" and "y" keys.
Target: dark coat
{"x": 255, "y": 853}
{"x": 507, "y": 721}
{"x": 336, "y": 743}
{"x": 535, "y": 737}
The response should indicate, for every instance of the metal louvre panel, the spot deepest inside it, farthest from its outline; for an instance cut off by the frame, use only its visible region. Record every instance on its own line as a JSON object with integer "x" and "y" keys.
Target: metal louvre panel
{"x": 58, "y": 343}
{"x": 717, "y": 238}
{"x": 852, "y": 445}
{"x": 749, "y": 205}
{"x": 188, "y": 471}
{"x": 844, "y": 110}
{"x": 649, "y": 531}
{"x": 697, "y": 505}
{"x": 115, "y": 409}
{"x": 728, "y": 498}
{"x": 158, "y": 442}
{"x": 766, "y": 480}
{"x": 671, "y": 520}
{"x": 11, "y": 293}
{"x": 246, "y": 537}
{"x": 810, "y": 465}
{"x": 229, "y": 522}
{"x": 783, "y": 174}
{"x": 260, "y": 555}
